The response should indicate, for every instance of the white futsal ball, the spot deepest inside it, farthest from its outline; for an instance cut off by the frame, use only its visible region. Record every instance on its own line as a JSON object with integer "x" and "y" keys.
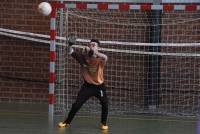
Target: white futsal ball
{"x": 45, "y": 8}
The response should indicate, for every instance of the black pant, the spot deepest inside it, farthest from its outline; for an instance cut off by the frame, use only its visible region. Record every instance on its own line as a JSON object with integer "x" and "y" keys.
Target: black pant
{"x": 87, "y": 91}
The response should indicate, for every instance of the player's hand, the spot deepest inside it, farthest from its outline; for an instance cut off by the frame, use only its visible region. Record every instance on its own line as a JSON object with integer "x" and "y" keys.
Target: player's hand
{"x": 88, "y": 51}
{"x": 95, "y": 51}
{"x": 85, "y": 50}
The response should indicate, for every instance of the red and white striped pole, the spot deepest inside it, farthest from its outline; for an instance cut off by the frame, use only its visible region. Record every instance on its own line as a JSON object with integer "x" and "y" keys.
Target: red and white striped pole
{"x": 52, "y": 62}
{"x": 52, "y": 75}
{"x": 134, "y": 6}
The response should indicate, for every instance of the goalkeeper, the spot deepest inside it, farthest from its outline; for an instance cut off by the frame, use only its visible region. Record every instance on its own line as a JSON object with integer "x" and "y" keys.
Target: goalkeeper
{"x": 92, "y": 65}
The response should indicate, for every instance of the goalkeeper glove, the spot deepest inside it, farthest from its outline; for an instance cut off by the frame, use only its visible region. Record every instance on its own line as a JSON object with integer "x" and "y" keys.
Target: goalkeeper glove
{"x": 90, "y": 53}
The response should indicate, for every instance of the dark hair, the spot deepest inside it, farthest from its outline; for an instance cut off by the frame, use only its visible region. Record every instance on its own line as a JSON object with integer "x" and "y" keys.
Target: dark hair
{"x": 95, "y": 40}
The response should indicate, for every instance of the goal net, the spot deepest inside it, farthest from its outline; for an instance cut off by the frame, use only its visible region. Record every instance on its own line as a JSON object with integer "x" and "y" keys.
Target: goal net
{"x": 153, "y": 57}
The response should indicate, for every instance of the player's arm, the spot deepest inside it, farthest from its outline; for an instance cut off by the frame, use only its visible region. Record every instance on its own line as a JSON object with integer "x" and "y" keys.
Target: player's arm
{"x": 90, "y": 52}
{"x": 101, "y": 55}
{"x": 76, "y": 55}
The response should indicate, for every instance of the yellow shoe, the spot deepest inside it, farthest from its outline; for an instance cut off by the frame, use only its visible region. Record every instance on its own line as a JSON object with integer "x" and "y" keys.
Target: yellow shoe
{"x": 104, "y": 127}
{"x": 62, "y": 125}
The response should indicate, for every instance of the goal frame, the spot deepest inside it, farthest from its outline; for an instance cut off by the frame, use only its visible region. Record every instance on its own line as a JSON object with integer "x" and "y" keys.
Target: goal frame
{"x": 120, "y": 5}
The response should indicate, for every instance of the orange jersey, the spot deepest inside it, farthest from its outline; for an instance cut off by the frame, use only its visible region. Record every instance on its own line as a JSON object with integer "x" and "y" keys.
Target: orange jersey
{"x": 92, "y": 68}
{"x": 93, "y": 71}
